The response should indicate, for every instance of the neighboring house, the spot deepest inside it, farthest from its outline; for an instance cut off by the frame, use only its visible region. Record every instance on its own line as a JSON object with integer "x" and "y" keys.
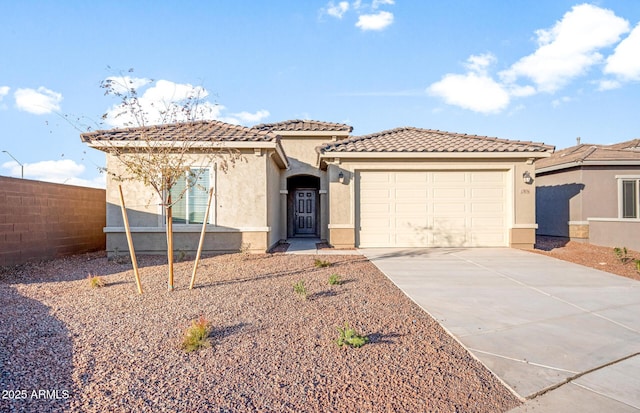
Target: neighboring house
{"x": 405, "y": 187}
{"x": 591, "y": 193}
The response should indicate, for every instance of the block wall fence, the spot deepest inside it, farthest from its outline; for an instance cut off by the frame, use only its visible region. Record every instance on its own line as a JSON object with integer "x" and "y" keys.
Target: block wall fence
{"x": 41, "y": 220}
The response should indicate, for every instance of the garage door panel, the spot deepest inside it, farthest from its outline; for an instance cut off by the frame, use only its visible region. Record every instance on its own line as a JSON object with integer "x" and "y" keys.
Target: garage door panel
{"x": 448, "y": 177}
{"x": 432, "y": 208}
{"x": 488, "y": 207}
{"x": 480, "y": 193}
{"x": 487, "y": 176}
{"x": 446, "y": 208}
{"x": 450, "y": 193}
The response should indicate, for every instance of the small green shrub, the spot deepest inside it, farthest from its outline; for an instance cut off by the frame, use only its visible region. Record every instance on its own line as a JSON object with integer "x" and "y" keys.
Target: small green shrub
{"x": 637, "y": 263}
{"x": 95, "y": 281}
{"x": 300, "y": 289}
{"x": 335, "y": 279}
{"x": 621, "y": 254}
{"x": 181, "y": 256}
{"x": 348, "y": 336}
{"x": 321, "y": 264}
{"x": 197, "y": 335}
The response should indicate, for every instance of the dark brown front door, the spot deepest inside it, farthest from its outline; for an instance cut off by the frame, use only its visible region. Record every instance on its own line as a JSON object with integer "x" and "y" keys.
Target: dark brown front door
{"x": 305, "y": 212}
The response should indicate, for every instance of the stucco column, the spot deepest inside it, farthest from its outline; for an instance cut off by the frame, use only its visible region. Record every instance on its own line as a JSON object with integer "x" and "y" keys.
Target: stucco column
{"x": 323, "y": 214}
{"x": 283, "y": 214}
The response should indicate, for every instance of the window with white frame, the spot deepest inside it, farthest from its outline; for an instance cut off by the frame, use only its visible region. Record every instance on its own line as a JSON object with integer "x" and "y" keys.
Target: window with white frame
{"x": 629, "y": 190}
{"x": 194, "y": 188}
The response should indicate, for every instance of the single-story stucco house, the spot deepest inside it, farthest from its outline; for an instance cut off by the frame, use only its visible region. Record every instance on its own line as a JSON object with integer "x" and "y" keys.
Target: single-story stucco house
{"x": 405, "y": 187}
{"x": 591, "y": 193}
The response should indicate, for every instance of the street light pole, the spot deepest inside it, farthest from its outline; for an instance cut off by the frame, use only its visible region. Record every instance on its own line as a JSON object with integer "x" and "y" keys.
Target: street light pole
{"x": 21, "y": 165}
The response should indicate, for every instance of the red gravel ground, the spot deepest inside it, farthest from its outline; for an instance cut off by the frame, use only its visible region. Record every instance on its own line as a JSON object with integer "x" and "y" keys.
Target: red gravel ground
{"x": 601, "y": 258}
{"x": 110, "y": 349}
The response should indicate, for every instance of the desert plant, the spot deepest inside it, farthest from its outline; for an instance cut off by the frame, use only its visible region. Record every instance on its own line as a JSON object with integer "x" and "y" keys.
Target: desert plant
{"x": 321, "y": 264}
{"x": 245, "y": 249}
{"x": 335, "y": 279}
{"x": 348, "y": 336}
{"x": 621, "y": 254}
{"x": 182, "y": 255}
{"x": 95, "y": 281}
{"x": 197, "y": 335}
{"x": 300, "y": 289}
{"x": 637, "y": 263}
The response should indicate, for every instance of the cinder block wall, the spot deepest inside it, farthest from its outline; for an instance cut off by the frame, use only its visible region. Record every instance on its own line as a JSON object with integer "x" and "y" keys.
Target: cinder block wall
{"x": 40, "y": 220}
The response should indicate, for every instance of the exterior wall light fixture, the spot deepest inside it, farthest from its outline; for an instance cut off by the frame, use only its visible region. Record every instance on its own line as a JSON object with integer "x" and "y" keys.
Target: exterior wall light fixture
{"x": 527, "y": 178}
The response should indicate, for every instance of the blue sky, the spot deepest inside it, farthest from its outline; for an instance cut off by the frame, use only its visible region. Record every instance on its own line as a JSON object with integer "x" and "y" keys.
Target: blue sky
{"x": 544, "y": 70}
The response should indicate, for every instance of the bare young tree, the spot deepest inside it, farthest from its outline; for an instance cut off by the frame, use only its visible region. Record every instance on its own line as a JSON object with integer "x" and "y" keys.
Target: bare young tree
{"x": 161, "y": 162}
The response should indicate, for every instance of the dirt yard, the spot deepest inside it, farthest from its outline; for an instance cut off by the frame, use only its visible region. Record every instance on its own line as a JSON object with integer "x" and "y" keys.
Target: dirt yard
{"x": 601, "y": 258}
{"x": 68, "y": 347}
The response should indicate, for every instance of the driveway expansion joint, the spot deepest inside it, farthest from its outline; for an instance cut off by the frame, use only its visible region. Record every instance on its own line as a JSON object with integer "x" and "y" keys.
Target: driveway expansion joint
{"x": 577, "y": 376}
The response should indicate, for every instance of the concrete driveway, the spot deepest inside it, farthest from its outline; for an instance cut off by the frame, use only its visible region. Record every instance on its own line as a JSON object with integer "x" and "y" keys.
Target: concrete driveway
{"x": 563, "y": 336}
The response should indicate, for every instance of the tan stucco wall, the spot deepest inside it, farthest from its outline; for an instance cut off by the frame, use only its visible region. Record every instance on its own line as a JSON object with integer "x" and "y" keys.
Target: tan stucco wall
{"x": 274, "y": 206}
{"x": 343, "y": 197}
{"x": 302, "y": 155}
{"x": 242, "y": 209}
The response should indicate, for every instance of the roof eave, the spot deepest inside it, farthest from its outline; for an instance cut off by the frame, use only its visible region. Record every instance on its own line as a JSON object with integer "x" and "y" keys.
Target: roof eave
{"x": 575, "y": 164}
{"x": 433, "y": 155}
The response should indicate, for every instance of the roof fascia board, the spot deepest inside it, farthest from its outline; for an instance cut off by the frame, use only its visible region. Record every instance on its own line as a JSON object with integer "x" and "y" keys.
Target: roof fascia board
{"x": 191, "y": 144}
{"x": 310, "y": 134}
{"x": 587, "y": 163}
{"x": 434, "y": 155}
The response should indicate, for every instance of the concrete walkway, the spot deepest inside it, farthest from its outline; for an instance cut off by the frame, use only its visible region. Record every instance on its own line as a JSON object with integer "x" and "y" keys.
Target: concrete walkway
{"x": 307, "y": 246}
{"x": 563, "y": 336}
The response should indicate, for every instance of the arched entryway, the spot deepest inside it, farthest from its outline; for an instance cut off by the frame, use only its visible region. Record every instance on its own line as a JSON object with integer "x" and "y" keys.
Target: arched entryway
{"x": 303, "y": 206}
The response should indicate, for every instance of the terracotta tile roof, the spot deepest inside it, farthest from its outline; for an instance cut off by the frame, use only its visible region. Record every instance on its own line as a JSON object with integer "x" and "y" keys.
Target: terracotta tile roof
{"x": 210, "y": 130}
{"x": 305, "y": 125}
{"x": 408, "y": 139}
{"x": 578, "y": 154}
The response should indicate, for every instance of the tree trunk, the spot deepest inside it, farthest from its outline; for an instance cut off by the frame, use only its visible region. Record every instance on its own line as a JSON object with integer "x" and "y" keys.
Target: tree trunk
{"x": 170, "y": 243}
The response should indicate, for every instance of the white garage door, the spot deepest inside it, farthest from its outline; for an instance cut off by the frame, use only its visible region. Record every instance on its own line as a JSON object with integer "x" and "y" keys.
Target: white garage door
{"x": 432, "y": 208}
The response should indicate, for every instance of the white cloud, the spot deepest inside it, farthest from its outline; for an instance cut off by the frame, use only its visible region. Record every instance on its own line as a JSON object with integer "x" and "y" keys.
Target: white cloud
{"x": 250, "y": 118}
{"x": 569, "y": 48}
{"x": 377, "y": 3}
{"x": 164, "y": 101}
{"x": 557, "y": 102}
{"x": 38, "y": 102}
{"x": 337, "y": 10}
{"x": 122, "y": 84}
{"x": 608, "y": 84}
{"x": 473, "y": 91}
{"x": 4, "y": 91}
{"x": 378, "y": 21}
{"x": 64, "y": 171}
{"x": 625, "y": 61}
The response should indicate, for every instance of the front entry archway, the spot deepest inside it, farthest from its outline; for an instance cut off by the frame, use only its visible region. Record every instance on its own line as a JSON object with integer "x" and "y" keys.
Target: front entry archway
{"x": 303, "y": 206}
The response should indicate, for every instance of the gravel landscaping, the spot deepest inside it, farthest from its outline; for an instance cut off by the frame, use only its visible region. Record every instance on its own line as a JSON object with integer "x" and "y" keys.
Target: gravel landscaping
{"x": 594, "y": 256}
{"x": 69, "y": 347}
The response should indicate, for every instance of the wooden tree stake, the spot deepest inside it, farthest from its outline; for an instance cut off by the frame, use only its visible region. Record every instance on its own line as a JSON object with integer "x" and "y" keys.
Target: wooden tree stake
{"x": 170, "y": 243}
{"x": 130, "y": 241}
{"x": 202, "y": 234}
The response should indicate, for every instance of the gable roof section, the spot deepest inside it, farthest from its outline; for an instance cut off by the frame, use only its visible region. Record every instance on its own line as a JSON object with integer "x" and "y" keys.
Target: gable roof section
{"x": 209, "y": 130}
{"x": 427, "y": 141}
{"x": 298, "y": 125}
{"x": 199, "y": 134}
{"x": 624, "y": 153}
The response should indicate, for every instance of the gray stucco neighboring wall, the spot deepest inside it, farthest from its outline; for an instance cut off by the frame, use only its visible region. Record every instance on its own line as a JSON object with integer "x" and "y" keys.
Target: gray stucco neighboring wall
{"x": 558, "y": 201}
{"x": 578, "y": 195}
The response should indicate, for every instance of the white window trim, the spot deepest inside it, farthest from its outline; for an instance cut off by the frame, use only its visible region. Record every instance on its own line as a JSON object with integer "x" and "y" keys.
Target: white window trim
{"x": 620, "y": 179}
{"x": 212, "y": 211}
